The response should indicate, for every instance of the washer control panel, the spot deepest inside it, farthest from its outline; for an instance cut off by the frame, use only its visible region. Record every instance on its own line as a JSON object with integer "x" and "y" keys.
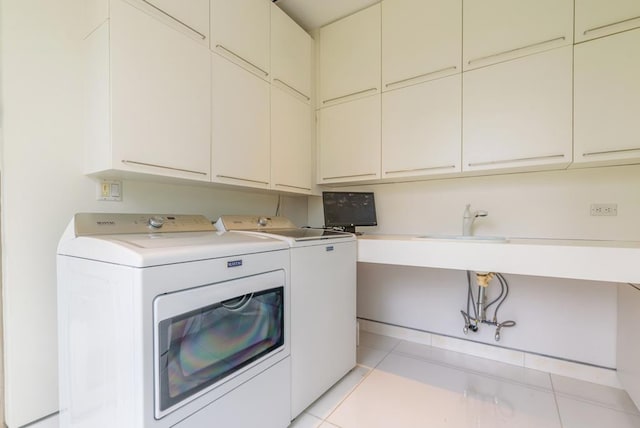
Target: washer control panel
{"x": 87, "y": 224}
{"x": 249, "y": 222}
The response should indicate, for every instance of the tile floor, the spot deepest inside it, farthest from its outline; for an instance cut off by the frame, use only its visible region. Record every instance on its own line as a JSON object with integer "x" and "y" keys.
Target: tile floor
{"x": 399, "y": 384}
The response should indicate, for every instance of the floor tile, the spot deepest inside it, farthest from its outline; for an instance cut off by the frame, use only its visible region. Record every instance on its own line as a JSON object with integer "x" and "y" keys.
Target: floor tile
{"x": 407, "y": 392}
{"x": 570, "y": 369}
{"x": 614, "y": 398}
{"x": 369, "y": 357}
{"x": 324, "y": 405}
{"x": 478, "y": 349}
{"x": 580, "y": 414}
{"x": 376, "y": 341}
{"x": 305, "y": 420}
{"x": 328, "y": 425}
{"x": 474, "y": 364}
{"x": 49, "y": 422}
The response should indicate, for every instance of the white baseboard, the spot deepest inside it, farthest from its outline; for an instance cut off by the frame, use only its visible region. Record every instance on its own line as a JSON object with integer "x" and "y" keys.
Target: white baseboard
{"x": 588, "y": 373}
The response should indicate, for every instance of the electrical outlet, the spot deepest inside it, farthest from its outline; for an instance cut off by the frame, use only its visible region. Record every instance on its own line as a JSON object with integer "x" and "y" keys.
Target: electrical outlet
{"x": 109, "y": 190}
{"x": 604, "y": 209}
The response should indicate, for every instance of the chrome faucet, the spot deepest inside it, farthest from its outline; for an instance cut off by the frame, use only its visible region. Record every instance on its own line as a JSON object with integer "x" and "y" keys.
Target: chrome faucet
{"x": 468, "y": 218}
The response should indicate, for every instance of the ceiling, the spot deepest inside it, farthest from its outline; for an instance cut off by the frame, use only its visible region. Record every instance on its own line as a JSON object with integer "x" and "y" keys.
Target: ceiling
{"x": 311, "y": 14}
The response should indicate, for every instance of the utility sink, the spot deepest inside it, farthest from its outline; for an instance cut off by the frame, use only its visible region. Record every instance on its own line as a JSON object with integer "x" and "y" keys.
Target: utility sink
{"x": 479, "y": 238}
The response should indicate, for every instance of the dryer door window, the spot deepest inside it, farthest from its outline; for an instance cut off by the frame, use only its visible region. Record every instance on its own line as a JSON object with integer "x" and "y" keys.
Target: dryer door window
{"x": 200, "y": 348}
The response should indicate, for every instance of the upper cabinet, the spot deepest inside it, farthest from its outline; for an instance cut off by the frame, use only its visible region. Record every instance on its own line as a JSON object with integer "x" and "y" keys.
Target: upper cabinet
{"x": 240, "y": 126}
{"x": 94, "y": 14}
{"x": 349, "y": 115}
{"x": 421, "y": 80}
{"x": 349, "y": 134}
{"x": 190, "y": 17}
{"x": 192, "y": 14}
{"x": 607, "y": 100}
{"x": 240, "y": 33}
{"x": 517, "y": 114}
{"x": 291, "y": 169}
{"x": 159, "y": 102}
{"x": 291, "y": 49}
{"x": 421, "y": 129}
{"x": 147, "y": 96}
{"x": 421, "y": 40}
{"x": 350, "y": 57}
{"x": 499, "y": 30}
{"x": 291, "y": 109}
{"x": 597, "y": 18}
{"x": 261, "y": 133}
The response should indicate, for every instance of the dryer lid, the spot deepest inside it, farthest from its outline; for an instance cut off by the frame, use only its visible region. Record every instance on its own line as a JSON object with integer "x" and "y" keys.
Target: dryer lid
{"x": 88, "y": 224}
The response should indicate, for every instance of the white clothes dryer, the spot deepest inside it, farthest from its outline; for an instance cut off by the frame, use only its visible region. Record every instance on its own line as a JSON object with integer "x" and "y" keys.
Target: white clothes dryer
{"x": 164, "y": 322}
{"x": 323, "y": 302}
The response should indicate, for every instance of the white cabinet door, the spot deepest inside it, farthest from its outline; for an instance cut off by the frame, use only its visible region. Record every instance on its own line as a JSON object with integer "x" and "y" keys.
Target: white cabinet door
{"x": 518, "y": 114}
{"x": 421, "y": 129}
{"x": 192, "y": 14}
{"x": 498, "y": 30}
{"x": 421, "y": 40}
{"x": 240, "y": 33}
{"x": 160, "y": 103}
{"x": 597, "y": 18}
{"x": 291, "y": 49}
{"x": 350, "y": 57}
{"x": 240, "y": 151}
{"x": 291, "y": 135}
{"x": 607, "y": 100}
{"x": 94, "y": 14}
{"x": 349, "y": 141}
{"x": 290, "y": 142}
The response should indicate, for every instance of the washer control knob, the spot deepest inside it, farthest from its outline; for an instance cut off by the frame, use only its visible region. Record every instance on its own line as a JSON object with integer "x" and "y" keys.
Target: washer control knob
{"x": 156, "y": 221}
{"x": 262, "y": 221}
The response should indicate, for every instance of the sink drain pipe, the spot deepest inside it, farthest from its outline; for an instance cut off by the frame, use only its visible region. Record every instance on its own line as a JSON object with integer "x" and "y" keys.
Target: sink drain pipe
{"x": 480, "y": 306}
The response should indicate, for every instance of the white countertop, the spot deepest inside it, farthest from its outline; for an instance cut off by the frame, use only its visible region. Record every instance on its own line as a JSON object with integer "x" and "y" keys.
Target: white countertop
{"x": 614, "y": 261}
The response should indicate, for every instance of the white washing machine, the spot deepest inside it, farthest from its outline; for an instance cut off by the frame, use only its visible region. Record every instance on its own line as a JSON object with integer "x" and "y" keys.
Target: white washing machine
{"x": 323, "y": 302}
{"x": 164, "y": 322}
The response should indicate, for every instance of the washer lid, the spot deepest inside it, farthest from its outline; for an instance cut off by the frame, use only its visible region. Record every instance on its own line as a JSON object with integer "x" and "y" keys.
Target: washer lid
{"x": 253, "y": 223}
{"x": 307, "y": 234}
{"x": 153, "y": 249}
{"x": 278, "y": 226}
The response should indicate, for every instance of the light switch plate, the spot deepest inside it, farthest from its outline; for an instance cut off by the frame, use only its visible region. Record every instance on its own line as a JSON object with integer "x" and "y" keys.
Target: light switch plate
{"x": 109, "y": 190}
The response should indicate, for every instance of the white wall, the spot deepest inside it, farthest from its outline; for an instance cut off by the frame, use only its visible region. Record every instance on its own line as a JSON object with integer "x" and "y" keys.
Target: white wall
{"x": 569, "y": 319}
{"x": 553, "y": 204}
{"x": 575, "y": 320}
{"x": 43, "y": 185}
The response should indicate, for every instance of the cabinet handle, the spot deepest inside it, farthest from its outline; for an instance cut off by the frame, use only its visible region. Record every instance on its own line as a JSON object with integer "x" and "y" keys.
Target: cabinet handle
{"x": 350, "y": 95}
{"x": 242, "y": 179}
{"x": 606, "y": 152}
{"x": 497, "y": 162}
{"x": 202, "y": 36}
{"x": 533, "y": 45}
{"x": 602, "y": 27}
{"x": 292, "y": 88}
{"x": 430, "y": 73}
{"x": 293, "y": 187}
{"x": 130, "y": 162}
{"x": 349, "y": 176}
{"x": 431, "y": 168}
{"x": 235, "y": 55}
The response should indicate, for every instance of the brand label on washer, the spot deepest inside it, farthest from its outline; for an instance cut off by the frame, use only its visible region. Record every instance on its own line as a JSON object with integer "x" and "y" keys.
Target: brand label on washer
{"x": 234, "y": 263}
{"x": 329, "y": 248}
